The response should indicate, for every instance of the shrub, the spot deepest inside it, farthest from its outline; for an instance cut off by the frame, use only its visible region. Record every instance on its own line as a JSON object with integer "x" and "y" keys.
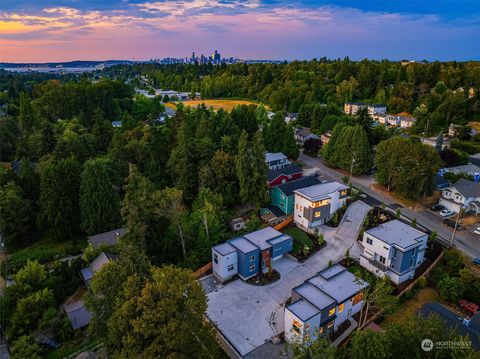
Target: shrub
{"x": 422, "y": 282}
{"x": 451, "y": 289}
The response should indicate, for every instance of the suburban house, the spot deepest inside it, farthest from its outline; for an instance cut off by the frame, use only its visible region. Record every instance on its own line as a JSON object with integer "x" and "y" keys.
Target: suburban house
{"x": 237, "y": 224}
{"x": 76, "y": 311}
{"x": 322, "y": 303}
{"x": 453, "y": 129}
{"x": 102, "y": 259}
{"x": 285, "y": 174}
{"x": 106, "y": 239}
{"x": 373, "y": 109}
{"x": 472, "y": 170}
{"x": 292, "y": 116}
{"x": 432, "y": 141}
{"x": 282, "y": 199}
{"x": 466, "y": 327}
{"x": 393, "y": 249}
{"x": 276, "y": 160}
{"x": 315, "y": 205}
{"x": 440, "y": 182}
{"x": 406, "y": 122}
{"x": 462, "y": 194}
{"x": 351, "y": 108}
{"x": 250, "y": 254}
{"x": 301, "y": 134}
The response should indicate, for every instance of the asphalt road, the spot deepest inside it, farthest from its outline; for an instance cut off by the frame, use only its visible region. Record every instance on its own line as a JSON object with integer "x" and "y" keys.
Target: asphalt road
{"x": 467, "y": 242}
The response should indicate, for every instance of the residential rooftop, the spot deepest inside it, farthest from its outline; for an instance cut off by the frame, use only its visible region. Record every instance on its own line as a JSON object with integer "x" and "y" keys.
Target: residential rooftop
{"x": 225, "y": 248}
{"x": 269, "y": 156}
{"x": 262, "y": 237}
{"x": 289, "y": 170}
{"x": 108, "y": 239}
{"x": 314, "y": 295}
{"x": 396, "y": 233}
{"x": 467, "y": 188}
{"x": 320, "y": 191}
{"x": 288, "y": 188}
{"x": 303, "y": 309}
{"x": 242, "y": 244}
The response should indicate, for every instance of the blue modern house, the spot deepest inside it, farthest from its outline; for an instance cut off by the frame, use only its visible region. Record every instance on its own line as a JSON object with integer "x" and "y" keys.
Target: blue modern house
{"x": 322, "y": 303}
{"x": 393, "y": 249}
{"x": 250, "y": 254}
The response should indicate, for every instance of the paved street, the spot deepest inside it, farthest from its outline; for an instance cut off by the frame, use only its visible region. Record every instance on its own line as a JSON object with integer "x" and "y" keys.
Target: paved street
{"x": 249, "y": 315}
{"x": 465, "y": 241}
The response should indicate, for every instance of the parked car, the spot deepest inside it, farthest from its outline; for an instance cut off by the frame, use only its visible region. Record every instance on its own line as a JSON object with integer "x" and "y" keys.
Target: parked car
{"x": 51, "y": 343}
{"x": 476, "y": 261}
{"x": 477, "y": 230}
{"x": 452, "y": 224}
{"x": 468, "y": 306}
{"x": 446, "y": 212}
{"x": 437, "y": 207}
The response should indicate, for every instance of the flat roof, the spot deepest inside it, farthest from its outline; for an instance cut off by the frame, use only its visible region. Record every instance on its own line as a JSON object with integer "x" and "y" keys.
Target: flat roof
{"x": 340, "y": 286}
{"x": 396, "y": 233}
{"x": 288, "y": 188}
{"x": 225, "y": 248}
{"x": 315, "y": 296}
{"x": 320, "y": 191}
{"x": 242, "y": 244}
{"x": 329, "y": 272}
{"x": 303, "y": 310}
{"x": 262, "y": 237}
{"x": 269, "y": 156}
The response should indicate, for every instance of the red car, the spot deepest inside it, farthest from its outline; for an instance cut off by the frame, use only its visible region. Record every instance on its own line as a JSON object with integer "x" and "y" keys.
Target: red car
{"x": 468, "y": 306}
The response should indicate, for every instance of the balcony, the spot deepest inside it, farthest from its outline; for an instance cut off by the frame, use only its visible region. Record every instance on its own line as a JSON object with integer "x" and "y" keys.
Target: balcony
{"x": 376, "y": 263}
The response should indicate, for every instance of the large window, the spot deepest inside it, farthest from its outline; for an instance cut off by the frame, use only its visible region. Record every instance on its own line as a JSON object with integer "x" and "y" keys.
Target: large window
{"x": 215, "y": 258}
{"x": 330, "y": 324}
{"x": 369, "y": 241}
{"x": 331, "y": 312}
{"x": 296, "y": 326}
{"x": 318, "y": 214}
{"x": 341, "y": 307}
{"x": 357, "y": 298}
{"x": 381, "y": 259}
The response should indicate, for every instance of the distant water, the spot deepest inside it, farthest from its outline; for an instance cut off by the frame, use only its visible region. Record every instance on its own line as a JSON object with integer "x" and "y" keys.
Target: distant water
{"x": 51, "y": 69}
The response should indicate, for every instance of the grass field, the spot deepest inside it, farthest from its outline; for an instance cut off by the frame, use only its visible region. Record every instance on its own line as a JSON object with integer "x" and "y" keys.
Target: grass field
{"x": 226, "y": 105}
{"x": 300, "y": 239}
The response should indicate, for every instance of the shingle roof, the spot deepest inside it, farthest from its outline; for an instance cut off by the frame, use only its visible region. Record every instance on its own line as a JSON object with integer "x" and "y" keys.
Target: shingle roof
{"x": 269, "y": 157}
{"x": 108, "y": 239}
{"x": 289, "y": 170}
{"x": 396, "y": 232}
{"x": 78, "y": 314}
{"x": 467, "y": 188}
{"x": 288, "y": 187}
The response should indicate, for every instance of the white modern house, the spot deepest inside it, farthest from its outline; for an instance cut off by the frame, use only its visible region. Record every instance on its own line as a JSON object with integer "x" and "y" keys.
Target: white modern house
{"x": 406, "y": 122}
{"x": 315, "y": 205}
{"x": 393, "y": 249}
{"x": 462, "y": 194}
{"x": 276, "y": 161}
{"x": 378, "y": 108}
{"x": 322, "y": 303}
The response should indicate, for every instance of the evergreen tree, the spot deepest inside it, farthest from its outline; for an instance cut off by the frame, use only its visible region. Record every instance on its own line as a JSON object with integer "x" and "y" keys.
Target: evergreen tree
{"x": 99, "y": 201}
{"x": 243, "y": 170}
{"x": 102, "y": 131}
{"x": 16, "y": 214}
{"x": 290, "y": 148}
{"x": 259, "y": 171}
{"x": 59, "y": 203}
{"x": 28, "y": 116}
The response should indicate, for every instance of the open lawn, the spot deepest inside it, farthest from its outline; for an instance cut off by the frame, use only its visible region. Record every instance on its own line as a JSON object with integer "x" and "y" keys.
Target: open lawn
{"x": 226, "y": 104}
{"x": 412, "y": 306}
{"x": 403, "y": 201}
{"x": 300, "y": 239}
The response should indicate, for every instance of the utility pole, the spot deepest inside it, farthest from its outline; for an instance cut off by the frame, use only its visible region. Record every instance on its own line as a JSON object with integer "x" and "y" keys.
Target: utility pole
{"x": 460, "y": 213}
{"x": 351, "y": 168}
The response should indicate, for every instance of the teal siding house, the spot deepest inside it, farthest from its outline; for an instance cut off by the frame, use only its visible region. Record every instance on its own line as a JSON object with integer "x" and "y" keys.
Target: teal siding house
{"x": 282, "y": 199}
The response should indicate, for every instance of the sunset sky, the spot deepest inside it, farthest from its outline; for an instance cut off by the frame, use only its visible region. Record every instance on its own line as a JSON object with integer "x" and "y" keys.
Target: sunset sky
{"x": 63, "y": 30}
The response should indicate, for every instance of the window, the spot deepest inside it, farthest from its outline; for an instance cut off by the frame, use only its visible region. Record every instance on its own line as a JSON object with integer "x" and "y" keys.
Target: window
{"x": 341, "y": 307}
{"x": 307, "y": 325}
{"x": 394, "y": 252}
{"x": 251, "y": 268}
{"x": 252, "y": 258}
{"x": 331, "y": 312}
{"x": 414, "y": 251}
{"x": 329, "y": 325}
{"x": 215, "y": 258}
{"x": 381, "y": 259}
{"x": 357, "y": 298}
{"x": 369, "y": 241}
{"x": 230, "y": 268}
{"x": 296, "y": 326}
{"x": 282, "y": 196}
{"x": 317, "y": 214}
{"x": 320, "y": 331}
{"x": 263, "y": 263}
{"x": 411, "y": 263}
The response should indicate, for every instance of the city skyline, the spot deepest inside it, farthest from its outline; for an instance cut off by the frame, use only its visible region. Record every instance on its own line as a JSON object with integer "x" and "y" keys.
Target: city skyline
{"x": 64, "y": 30}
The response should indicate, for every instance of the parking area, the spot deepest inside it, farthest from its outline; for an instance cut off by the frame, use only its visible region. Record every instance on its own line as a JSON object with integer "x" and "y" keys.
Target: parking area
{"x": 249, "y": 316}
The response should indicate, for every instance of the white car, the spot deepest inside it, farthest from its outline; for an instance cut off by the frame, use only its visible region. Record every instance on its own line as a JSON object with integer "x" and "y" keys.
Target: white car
{"x": 477, "y": 230}
{"x": 446, "y": 213}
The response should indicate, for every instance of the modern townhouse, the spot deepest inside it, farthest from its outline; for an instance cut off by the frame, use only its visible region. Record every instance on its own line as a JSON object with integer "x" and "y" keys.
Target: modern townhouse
{"x": 315, "y": 205}
{"x": 276, "y": 160}
{"x": 284, "y": 174}
{"x": 250, "y": 254}
{"x": 322, "y": 303}
{"x": 351, "y": 108}
{"x": 393, "y": 249}
{"x": 282, "y": 199}
{"x": 377, "y": 108}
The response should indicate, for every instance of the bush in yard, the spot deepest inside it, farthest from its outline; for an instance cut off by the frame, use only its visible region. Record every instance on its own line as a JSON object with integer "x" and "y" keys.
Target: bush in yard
{"x": 422, "y": 282}
{"x": 451, "y": 289}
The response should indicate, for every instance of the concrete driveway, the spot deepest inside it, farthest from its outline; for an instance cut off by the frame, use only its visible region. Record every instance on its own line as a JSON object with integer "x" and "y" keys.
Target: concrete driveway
{"x": 249, "y": 315}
